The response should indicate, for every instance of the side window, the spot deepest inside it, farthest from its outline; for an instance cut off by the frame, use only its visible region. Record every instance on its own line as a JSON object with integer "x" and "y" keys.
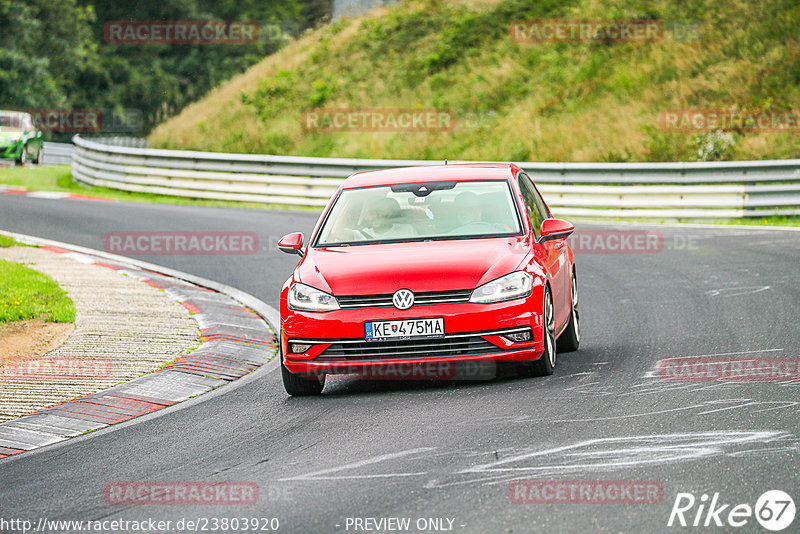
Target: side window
{"x": 530, "y": 196}
{"x": 541, "y": 206}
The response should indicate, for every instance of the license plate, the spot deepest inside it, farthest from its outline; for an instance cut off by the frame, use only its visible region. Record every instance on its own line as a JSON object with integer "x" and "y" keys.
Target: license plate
{"x": 404, "y": 328}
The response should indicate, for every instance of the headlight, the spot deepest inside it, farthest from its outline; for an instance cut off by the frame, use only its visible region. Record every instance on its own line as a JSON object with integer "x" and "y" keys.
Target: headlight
{"x": 15, "y": 137}
{"x": 306, "y": 298}
{"x": 510, "y": 286}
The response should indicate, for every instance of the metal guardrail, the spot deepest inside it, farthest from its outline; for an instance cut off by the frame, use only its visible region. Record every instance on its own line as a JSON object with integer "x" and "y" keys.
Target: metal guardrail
{"x": 61, "y": 153}
{"x": 650, "y": 190}
{"x": 57, "y": 153}
{"x": 122, "y": 140}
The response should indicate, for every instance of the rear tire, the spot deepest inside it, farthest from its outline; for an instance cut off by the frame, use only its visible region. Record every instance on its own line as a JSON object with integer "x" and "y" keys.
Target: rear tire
{"x": 38, "y": 159}
{"x": 570, "y": 338}
{"x": 297, "y": 385}
{"x": 546, "y": 363}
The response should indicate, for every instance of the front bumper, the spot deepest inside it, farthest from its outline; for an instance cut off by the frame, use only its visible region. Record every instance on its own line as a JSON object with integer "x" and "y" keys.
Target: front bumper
{"x": 473, "y": 333}
{"x": 11, "y": 151}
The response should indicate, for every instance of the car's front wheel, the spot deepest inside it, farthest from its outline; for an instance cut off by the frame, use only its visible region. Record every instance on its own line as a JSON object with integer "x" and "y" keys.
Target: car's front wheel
{"x": 23, "y": 156}
{"x": 298, "y": 385}
{"x": 546, "y": 364}
{"x": 570, "y": 338}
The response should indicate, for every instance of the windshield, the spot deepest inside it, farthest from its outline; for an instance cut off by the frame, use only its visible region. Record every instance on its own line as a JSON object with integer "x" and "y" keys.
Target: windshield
{"x": 421, "y": 211}
{"x": 11, "y": 121}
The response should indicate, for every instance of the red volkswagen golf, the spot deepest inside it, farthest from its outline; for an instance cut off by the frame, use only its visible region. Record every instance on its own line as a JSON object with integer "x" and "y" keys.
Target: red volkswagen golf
{"x": 429, "y": 267}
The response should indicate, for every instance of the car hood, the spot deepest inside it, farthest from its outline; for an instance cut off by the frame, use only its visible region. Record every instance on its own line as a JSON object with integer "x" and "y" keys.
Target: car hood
{"x": 419, "y": 266}
{"x": 9, "y": 135}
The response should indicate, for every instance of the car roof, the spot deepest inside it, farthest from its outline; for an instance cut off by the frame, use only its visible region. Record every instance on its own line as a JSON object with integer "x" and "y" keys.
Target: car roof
{"x": 432, "y": 173}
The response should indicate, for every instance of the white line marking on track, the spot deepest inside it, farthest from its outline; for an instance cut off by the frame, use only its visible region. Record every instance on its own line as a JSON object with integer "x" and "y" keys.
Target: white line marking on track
{"x": 629, "y": 451}
{"x": 320, "y": 475}
{"x": 735, "y": 291}
{"x": 53, "y": 195}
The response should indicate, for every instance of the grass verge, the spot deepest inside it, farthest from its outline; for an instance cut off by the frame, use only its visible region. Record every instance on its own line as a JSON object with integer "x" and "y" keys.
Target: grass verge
{"x": 29, "y": 294}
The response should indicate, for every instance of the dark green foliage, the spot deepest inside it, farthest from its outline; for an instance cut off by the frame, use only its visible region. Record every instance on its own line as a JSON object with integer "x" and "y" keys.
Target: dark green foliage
{"x": 53, "y": 53}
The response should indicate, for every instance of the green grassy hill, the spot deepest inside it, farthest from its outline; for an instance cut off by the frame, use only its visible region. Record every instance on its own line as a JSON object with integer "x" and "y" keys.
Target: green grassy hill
{"x": 597, "y": 101}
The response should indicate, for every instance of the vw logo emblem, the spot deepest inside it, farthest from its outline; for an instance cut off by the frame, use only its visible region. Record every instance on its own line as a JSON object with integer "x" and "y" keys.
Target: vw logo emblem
{"x": 403, "y": 299}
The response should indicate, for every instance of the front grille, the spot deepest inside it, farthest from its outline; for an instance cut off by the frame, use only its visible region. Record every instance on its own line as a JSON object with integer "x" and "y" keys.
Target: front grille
{"x": 450, "y": 345}
{"x": 420, "y": 299}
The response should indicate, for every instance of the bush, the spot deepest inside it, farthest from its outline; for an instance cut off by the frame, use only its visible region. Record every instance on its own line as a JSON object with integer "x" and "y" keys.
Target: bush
{"x": 714, "y": 146}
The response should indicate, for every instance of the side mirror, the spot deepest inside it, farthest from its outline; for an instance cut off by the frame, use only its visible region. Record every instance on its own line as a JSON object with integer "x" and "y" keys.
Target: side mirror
{"x": 555, "y": 229}
{"x": 291, "y": 243}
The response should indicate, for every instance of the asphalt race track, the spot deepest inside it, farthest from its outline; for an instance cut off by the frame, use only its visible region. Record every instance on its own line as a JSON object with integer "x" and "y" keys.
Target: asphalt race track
{"x": 373, "y": 449}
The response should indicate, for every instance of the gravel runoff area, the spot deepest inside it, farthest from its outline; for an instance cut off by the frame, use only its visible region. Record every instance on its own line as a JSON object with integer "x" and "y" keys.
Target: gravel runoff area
{"x": 123, "y": 329}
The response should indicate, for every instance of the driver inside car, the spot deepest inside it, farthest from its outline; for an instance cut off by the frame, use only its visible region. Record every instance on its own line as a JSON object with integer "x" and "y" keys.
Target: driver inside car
{"x": 469, "y": 213}
{"x": 383, "y": 222}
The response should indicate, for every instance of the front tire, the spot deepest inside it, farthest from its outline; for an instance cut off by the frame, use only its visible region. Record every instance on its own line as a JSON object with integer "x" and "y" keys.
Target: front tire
{"x": 23, "y": 156}
{"x": 299, "y": 386}
{"x": 546, "y": 363}
{"x": 570, "y": 338}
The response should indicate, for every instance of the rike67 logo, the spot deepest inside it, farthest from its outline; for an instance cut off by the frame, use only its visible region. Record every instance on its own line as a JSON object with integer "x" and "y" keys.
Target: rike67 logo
{"x": 774, "y": 511}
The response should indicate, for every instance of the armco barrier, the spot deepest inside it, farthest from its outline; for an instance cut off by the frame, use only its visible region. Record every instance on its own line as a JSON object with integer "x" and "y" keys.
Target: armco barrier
{"x": 57, "y": 153}
{"x": 649, "y": 190}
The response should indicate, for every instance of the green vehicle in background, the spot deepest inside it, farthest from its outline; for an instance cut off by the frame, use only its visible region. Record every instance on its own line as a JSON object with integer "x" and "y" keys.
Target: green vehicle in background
{"x": 19, "y": 138}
